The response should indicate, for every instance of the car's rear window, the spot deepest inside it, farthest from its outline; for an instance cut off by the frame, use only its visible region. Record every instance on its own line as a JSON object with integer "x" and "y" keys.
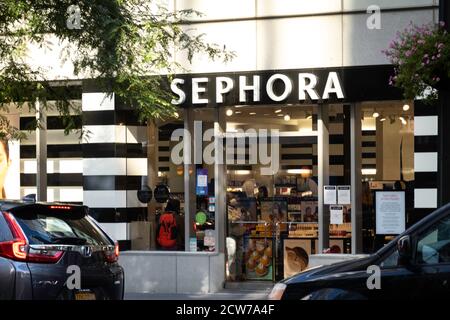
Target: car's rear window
{"x": 5, "y": 233}
{"x": 46, "y": 226}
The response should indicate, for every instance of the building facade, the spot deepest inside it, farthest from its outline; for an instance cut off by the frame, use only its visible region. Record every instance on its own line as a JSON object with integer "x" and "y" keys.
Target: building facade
{"x": 313, "y": 72}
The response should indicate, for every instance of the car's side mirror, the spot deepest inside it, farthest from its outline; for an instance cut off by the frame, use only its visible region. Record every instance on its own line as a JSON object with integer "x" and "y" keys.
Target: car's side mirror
{"x": 404, "y": 249}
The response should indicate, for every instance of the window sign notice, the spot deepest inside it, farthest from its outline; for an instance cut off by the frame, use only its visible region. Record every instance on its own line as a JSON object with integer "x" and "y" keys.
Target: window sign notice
{"x": 329, "y": 194}
{"x": 193, "y": 244}
{"x": 209, "y": 240}
{"x": 343, "y": 194}
{"x": 202, "y": 182}
{"x": 390, "y": 212}
{"x": 336, "y": 214}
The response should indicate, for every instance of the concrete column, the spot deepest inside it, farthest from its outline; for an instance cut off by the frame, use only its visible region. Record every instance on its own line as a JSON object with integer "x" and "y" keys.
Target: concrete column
{"x": 41, "y": 153}
{"x": 152, "y": 174}
{"x": 190, "y": 199}
{"x": 356, "y": 185}
{"x": 220, "y": 178}
{"x": 323, "y": 175}
{"x": 379, "y": 148}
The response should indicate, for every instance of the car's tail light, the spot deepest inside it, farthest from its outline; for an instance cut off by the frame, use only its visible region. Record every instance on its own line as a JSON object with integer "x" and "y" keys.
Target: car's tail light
{"x": 112, "y": 255}
{"x": 14, "y": 249}
{"x": 18, "y": 249}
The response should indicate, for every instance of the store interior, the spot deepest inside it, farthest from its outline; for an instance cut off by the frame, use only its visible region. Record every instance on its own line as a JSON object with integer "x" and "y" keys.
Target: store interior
{"x": 272, "y": 220}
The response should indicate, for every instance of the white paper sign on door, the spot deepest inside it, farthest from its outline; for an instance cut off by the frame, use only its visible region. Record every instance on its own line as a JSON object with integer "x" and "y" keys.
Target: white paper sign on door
{"x": 209, "y": 240}
{"x": 390, "y": 212}
{"x": 202, "y": 180}
{"x": 329, "y": 193}
{"x": 343, "y": 194}
{"x": 336, "y": 215}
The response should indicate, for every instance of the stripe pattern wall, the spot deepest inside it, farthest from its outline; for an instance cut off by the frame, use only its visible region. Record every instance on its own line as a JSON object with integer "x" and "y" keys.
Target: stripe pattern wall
{"x": 114, "y": 163}
{"x": 64, "y": 156}
{"x": 425, "y": 158}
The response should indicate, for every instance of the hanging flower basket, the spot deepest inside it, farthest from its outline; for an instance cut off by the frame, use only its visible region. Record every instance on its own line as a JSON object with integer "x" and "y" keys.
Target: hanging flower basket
{"x": 421, "y": 55}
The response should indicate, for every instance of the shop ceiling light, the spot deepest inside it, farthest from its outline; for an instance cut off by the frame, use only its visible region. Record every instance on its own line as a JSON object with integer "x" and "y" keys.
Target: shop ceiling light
{"x": 309, "y": 117}
{"x": 238, "y": 112}
{"x": 229, "y": 112}
{"x": 278, "y": 111}
{"x": 299, "y": 171}
{"x": 242, "y": 172}
{"x": 252, "y": 113}
{"x": 176, "y": 115}
{"x": 368, "y": 172}
{"x": 375, "y": 114}
{"x": 287, "y": 117}
{"x": 402, "y": 120}
{"x": 280, "y": 115}
{"x": 406, "y": 107}
{"x": 383, "y": 119}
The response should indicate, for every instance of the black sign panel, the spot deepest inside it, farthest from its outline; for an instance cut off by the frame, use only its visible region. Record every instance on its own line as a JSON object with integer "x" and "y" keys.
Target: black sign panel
{"x": 363, "y": 83}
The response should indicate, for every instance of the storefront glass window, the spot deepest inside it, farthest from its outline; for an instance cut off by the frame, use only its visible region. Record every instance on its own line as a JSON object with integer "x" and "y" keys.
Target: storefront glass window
{"x": 169, "y": 214}
{"x": 164, "y": 227}
{"x": 387, "y": 159}
{"x": 272, "y": 219}
{"x": 202, "y": 218}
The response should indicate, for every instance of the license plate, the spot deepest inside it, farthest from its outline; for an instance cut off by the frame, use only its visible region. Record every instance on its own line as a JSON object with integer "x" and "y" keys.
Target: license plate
{"x": 84, "y": 295}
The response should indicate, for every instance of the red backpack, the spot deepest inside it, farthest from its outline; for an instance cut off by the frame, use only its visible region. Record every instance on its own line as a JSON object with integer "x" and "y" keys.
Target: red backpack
{"x": 167, "y": 232}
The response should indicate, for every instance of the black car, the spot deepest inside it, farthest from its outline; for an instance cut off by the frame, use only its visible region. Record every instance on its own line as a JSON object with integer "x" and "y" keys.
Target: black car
{"x": 56, "y": 251}
{"x": 415, "y": 265}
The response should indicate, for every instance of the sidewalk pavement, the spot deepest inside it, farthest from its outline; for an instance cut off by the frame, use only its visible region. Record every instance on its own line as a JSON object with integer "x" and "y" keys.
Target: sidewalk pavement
{"x": 224, "y": 294}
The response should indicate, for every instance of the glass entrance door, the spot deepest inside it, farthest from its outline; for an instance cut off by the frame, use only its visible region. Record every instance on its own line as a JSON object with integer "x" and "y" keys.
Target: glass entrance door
{"x": 272, "y": 219}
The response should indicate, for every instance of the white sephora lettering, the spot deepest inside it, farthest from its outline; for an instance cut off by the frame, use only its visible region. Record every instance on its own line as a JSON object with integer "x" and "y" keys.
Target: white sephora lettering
{"x": 305, "y": 82}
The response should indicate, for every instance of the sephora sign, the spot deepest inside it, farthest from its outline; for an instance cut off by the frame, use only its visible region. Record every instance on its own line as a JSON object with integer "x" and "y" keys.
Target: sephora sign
{"x": 262, "y": 88}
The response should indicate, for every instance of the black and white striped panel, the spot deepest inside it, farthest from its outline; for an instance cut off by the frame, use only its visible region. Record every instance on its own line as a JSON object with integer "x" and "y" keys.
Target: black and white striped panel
{"x": 338, "y": 144}
{"x": 64, "y": 157}
{"x": 368, "y": 154}
{"x": 114, "y": 163}
{"x": 165, "y": 146}
{"x": 425, "y": 158}
{"x": 338, "y": 126}
{"x": 298, "y": 152}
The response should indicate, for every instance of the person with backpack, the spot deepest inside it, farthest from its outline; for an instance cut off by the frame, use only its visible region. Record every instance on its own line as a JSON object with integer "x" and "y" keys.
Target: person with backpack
{"x": 169, "y": 232}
